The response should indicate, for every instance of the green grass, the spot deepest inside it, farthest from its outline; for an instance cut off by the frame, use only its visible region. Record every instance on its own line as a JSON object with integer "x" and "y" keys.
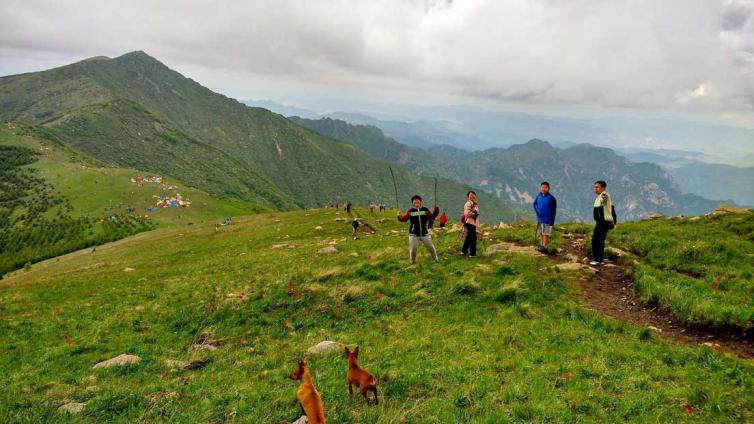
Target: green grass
{"x": 501, "y": 338}
{"x": 53, "y": 200}
{"x": 703, "y": 269}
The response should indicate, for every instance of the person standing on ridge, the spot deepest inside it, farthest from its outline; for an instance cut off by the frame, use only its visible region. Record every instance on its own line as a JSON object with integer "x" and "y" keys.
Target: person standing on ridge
{"x": 470, "y": 222}
{"x": 419, "y": 217}
{"x": 605, "y": 220}
{"x": 443, "y": 220}
{"x": 545, "y": 206}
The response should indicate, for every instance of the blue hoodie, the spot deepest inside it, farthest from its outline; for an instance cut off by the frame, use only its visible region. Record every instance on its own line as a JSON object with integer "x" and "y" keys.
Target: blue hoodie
{"x": 545, "y": 206}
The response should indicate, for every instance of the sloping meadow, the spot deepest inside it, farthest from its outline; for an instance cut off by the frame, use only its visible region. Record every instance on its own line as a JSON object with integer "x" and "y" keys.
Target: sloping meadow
{"x": 701, "y": 268}
{"x": 220, "y": 319}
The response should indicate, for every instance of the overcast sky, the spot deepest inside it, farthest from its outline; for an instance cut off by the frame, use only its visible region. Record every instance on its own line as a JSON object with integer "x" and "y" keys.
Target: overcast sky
{"x": 688, "y": 58}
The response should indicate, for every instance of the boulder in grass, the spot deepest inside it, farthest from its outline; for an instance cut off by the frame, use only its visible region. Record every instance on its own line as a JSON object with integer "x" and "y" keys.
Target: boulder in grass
{"x": 724, "y": 209}
{"x": 123, "y": 359}
{"x": 327, "y": 250}
{"x": 653, "y": 216}
{"x": 324, "y": 347}
{"x": 319, "y": 228}
{"x": 72, "y": 408}
{"x": 575, "y": 266}
{"x": 302, "y": 420}
{"x": 127, "y": 269}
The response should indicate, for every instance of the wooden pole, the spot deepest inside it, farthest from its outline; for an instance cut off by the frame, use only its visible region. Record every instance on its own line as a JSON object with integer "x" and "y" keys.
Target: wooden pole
{"x": 395, "y": 186}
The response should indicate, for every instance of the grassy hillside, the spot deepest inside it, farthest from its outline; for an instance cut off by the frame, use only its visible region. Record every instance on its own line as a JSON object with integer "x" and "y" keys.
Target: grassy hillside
{"x": 56, "y": 201}
{"x": 703, "y": 270}
{"x": 502, "y": 338}
{"x": 134, "y": 111}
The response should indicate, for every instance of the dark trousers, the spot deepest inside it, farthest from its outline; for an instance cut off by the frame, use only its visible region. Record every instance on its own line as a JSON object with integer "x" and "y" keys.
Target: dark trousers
{"x": 598, "y": 241}
{"x": 469, "y": 243}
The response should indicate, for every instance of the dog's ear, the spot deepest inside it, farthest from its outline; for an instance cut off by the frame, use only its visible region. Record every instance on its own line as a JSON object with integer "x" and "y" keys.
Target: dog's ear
{"x": 356, "y": 351}
{"x": 301, "y": 363}
{"x": 347, "y": 352}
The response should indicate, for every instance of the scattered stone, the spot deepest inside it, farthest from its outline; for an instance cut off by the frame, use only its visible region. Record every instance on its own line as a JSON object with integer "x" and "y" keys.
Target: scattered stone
{"x": 511, "y": 248}
{"x": 324, "y": 347}
{"x": 653, "y": 216}
{"x": 614, "y": 251}
{"x": 353, "y": 254}
{"x": 302, "y": 420}
{"x": 570, "y": 257}
{"x": 340, "y": 220}
{"x": 327, "y": 250}
{"x": 653, "y": 328}
{"x": 72, "y": 408}
{"x": 197, "y": 364}
{"x": 280, "y": 246}
{"x": 382, "y": 220}
{"x": 724, "y": 209}
{"x": 318, "y": 227}
{"x": 504, "y": 226}
{"x": 127, "y": 269}
{"x": 122, "y": 359}
{"x": 575, "y": 266}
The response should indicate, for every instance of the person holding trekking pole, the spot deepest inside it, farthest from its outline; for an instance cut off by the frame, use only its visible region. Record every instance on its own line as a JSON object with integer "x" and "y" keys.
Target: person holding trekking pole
{"x": 605, "y": 220}
{"x": 419, "y": 217}
{"x": 470, "y": 222}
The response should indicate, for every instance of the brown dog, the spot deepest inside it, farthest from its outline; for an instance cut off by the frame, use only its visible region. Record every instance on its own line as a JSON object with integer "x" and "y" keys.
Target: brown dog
{"x": 362, "y": 379}
{"x": 308, "y": 396}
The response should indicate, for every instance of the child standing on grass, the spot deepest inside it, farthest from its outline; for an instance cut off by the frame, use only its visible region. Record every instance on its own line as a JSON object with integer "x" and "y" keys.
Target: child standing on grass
{"x": 470, "y": 222}
{"x": 545, "y": 206}
{"x": 419, "y": 217}
{"x": 604, "y": 221}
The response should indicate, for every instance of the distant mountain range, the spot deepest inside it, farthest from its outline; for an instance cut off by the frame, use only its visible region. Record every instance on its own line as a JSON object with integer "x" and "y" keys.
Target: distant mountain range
{"x": 514, "y": 173}
{"x": 133, "y": 111}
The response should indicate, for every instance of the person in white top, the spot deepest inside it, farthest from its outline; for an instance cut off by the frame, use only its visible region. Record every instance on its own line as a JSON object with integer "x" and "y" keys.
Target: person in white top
{"x": 605, "y": 220}
{"x": 470, "y": 222}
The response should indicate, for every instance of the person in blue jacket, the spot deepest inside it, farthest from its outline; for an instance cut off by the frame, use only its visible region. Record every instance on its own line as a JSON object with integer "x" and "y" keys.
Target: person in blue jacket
{"x": 545, "y": 206}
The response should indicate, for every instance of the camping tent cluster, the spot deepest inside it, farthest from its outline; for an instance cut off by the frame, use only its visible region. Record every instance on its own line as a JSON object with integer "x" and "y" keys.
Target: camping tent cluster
{"x": 176, "y": 201}
{"x": 153, "y": 179}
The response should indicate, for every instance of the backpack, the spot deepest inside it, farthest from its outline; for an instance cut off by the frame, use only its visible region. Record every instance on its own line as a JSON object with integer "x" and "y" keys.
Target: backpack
{"x": 463, "y": 218}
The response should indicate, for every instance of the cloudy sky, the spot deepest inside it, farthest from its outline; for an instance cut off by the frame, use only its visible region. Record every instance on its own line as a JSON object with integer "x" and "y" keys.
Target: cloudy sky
{"x": 687, "y": 58}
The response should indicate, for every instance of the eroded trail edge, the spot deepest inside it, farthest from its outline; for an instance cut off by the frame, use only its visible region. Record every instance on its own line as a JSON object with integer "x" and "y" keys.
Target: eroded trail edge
{"x": 610, "y": 291}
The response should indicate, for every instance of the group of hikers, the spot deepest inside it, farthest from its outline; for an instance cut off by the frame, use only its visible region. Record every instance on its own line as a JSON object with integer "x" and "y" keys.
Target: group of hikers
{"x": 545, "y": 205}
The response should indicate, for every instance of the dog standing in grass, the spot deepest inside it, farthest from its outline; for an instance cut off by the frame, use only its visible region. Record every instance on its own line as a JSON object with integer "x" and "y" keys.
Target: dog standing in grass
{"x": 358, "y": 377}
{"x": 308, "y": 396}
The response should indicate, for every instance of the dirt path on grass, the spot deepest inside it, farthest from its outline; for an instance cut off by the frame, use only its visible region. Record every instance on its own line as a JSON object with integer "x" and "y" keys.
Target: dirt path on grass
{"x": 610, "y": 291}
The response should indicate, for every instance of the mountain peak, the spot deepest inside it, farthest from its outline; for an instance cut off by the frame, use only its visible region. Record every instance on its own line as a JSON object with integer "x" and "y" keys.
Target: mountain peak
{"x": 535, "y": 142}
{"x": 136, "y": 54}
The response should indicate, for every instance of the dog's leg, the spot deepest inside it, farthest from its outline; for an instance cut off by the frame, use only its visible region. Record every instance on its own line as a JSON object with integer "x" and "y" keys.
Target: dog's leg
{"x": 350, "y": 389}
{"x": 374, "y": 390}
{"x": 303, "y": 412}
{"x": 364, "y": 393}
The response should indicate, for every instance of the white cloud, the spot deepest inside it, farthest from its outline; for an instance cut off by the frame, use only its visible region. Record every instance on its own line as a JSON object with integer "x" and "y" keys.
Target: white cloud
{"x": 666, "y": 55}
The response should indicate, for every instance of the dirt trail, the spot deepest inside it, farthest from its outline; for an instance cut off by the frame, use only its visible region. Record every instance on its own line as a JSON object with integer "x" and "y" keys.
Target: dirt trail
{"x": 610, "y": 291}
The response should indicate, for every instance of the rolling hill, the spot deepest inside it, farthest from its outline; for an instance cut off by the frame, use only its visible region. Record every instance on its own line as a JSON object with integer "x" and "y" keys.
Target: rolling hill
{"x": 514, "y": 173}
{"x": 133, "y": 111}
{"x": 55, "y": 200}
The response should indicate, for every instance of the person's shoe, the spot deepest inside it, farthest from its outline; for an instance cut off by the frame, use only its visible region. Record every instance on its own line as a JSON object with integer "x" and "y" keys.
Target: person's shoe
{"x": 464, "y": 253}
{"x": 595, "y": 263}
{"x": 472, "y": 256}
{"x": 541, "y": 249}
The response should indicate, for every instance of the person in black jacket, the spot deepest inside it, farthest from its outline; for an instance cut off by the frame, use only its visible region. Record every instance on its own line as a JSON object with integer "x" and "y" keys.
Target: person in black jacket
{"x": 604, "y": 221}
{"x": 420, "y": 218}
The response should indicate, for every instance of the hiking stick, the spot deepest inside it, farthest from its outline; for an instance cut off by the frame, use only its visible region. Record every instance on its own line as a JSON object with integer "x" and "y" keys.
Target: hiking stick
{"x": 395, "y": 186}
{"x": 434, "y": 197}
